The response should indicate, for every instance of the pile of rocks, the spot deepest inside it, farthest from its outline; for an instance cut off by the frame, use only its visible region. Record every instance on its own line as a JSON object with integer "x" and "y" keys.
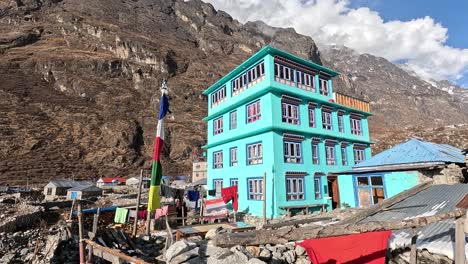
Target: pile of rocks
{"x": 201, "y": 251}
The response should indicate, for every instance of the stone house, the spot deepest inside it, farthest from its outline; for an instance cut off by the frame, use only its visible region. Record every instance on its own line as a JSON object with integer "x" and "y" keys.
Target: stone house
{"x": 134, "y": 181}
{"x": 199, "y": 170}
{"x": 83, "y": 192}
{"x": 58, "y": 189}
{"x": 398, "y": 169}
{"x": 110, "y": 181}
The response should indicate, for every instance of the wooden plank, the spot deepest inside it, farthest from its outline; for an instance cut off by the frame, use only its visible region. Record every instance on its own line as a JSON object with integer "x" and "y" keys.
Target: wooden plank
{"x": 414, "y": 252}
{"x": 296, "y": 222}
{"x": 463, "y": 203}
{"x": 385, "y": 203}
{"x": 115, "y": 252}
{"x": 459, "y": 241}
{"x": 284, "y": 235}
{"x": 135, "y": 221}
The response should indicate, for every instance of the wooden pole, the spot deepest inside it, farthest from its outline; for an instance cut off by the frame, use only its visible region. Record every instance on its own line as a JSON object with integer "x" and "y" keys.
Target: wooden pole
{"x": 148, "y": 222}
{"x": 115, "y": 252}
{"x": 80, "y": 235}
{"x": 71, "y": 209}
{"x": 183, "y": 213}
{"x": 286, "y": 234}
{"x": 94, "y": 233}
{"x": 414, "y": 249}
{"x": 135, "y": 224}
{"x": 459, "y": 241}
{"x": 264, "y": 198}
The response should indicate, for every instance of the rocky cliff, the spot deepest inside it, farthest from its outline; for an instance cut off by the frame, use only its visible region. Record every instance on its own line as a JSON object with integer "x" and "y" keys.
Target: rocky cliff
{"x": 80, "y": 83}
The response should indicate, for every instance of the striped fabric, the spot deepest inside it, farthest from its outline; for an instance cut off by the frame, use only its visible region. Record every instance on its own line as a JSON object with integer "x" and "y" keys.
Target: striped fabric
{"x": 215, "y": 208}
{"x": 154, "y": 198}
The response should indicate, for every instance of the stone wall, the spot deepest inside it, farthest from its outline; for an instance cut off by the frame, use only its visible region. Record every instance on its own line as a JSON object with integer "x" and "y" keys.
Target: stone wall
{"x": 452, "y": 174}
{"x": 30, "y": 216}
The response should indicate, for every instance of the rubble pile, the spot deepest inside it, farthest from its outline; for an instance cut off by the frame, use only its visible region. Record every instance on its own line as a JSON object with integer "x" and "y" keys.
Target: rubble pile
{"x": 20, "y": 215}
{"x": 201, "y": 251}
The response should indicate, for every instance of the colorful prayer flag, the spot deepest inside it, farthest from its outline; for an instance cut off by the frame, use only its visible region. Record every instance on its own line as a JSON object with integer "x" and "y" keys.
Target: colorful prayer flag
{"x": 156, "y": 171}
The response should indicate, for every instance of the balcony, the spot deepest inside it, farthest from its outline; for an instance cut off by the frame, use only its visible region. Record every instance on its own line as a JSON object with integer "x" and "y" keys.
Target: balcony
{"x": 352, "y": 102}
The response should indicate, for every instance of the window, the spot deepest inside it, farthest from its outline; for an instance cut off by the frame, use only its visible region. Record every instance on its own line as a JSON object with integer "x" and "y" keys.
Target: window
{"x": 254, "y": 154}
{"x": 344, "y": 156}
{"x": 359, "y": 155}
{"x": 253, "y": 112}
{"x": 233, "y": 157}
{"x": 217, "y": 160}
{"x": 218, "y": 96}
{"x": 292, "y": 152}
{"x": 370, "y": 190}
{"x": 317, "y": 188}
{"x": 248, "y": 78}
{"x": 255, "y": 189}
{"x": 234, "y": 182}
{"x": 233, "y": 120}
{"x": 311, "y": 117}
{"x": 238, "y": 84}
{"x": 255, "y": 73}
{"x": 49, "y": 191}
{"x": 290, "y": 113}
{"x": 294, "y": 188}
{"x": 340, "y": 122}
{"x": 356, "y": 126}
{"x": 284, "y": 74}
{"x": 315, "y": 153}
{"x": 305, "y": 81}
{"x": 218, "y": 185}
{"x": 330, "y": 154}
{"x": 324, "y": 87}
{"x": 327, "y": 119}
{"x": 218, "y": 126}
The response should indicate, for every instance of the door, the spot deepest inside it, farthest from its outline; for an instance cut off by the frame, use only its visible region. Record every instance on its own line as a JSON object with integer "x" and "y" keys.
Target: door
{"x": 333, "y": 191}
{"x": 73, "y": 195}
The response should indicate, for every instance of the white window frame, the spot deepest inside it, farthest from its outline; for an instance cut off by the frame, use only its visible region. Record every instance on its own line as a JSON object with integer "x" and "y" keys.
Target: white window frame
{"x": 323, "y": 87}
{"x": 234, "y": 181}
{"x": 330, "y": 154}
{"x": 218, "y": 97}
{"x": 218, "y": 159}
{"x": 292, "y": 151}
{"x": 290, "y": 113}
{"x": 254, "y": 153}
{"x": 340, "y": 123}
{"x": 233, "y": 159}
{"x": 344, "y": 156}
{"x": 255, "y": 189}
{"x": 295, "y": 188}
{"x": 255, "y": 114}
{"x": 305, "y": 81}
{"x": 327, "y": 120}
{"x": 218, "y": 185}
{"x": 316, "y": 155}
{"x": 317, "y": 187}
{"x": 356, "y": 126}
{"x": 312, "y": 119}
{"x": 359, "y": 155}
{"x": 218, "y": 126}
{"x": 284, "y": 74}
{"x": 233, "y": 120}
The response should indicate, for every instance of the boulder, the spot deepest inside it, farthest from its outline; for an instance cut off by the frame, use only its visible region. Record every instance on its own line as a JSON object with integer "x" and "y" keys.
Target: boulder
{"x": 256, "y": 261}
{"x": 302, "y": 260}
{"x": 265, "y": 254}
{"x": 184, "y": 256}
{"x": 300, "y": 251}
{"x": 178, "y": 248}
{"x": 254, "y": 251}
{"x": 290, "y": 256}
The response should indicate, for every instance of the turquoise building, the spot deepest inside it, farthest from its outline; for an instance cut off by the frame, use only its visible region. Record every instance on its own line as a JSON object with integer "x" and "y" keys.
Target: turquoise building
{"x": 398, "y": 169}
{"x": 276, "y": 116}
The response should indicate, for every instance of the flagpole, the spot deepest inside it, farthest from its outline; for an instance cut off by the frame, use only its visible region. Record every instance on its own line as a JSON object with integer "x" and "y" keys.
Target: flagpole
{"x": 156, "y": 170}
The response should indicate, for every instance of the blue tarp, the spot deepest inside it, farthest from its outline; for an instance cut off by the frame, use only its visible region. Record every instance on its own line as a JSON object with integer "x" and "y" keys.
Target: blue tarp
{"x": 94, "y": 210}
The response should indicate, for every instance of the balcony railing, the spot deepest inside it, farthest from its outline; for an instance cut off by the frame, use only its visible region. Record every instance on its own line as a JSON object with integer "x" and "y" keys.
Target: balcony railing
{"x": 352, "y": 102}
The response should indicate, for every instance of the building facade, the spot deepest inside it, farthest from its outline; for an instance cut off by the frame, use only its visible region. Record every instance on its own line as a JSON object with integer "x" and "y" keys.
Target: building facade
{"x": 276, "y": 116}
{"x": 199, "y": 170}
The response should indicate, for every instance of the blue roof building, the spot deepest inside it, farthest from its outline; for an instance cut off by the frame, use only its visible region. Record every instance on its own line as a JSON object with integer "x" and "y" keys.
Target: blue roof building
{"x": 400, "y": 168}
{"x": 276, "y": 115}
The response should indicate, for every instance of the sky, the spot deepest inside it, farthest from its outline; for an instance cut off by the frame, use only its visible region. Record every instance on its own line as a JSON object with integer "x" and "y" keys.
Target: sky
{"x": 430, "y": 37}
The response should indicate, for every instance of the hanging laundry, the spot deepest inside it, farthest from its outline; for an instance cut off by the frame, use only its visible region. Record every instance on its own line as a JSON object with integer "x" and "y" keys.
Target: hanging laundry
{"x": 142, "y": 214}
{"x": 161, "y": 212}
{"x": 193, "y": 196}
{"x": 170, "y": 192}
{"x": 212, "y": 192}
{"x": 230, "y": 194}
{"x": 369, "y": 248}
{"x": 120, "y": 215}
{"x": 132, "y": 214}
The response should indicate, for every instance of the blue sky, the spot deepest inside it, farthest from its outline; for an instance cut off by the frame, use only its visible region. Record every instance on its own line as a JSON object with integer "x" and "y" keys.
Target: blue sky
{"x": 430, "y": 37}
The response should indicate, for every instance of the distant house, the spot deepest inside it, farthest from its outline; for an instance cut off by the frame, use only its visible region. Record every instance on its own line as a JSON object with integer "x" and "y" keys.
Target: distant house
{"x": 83, "y": 192}
{"x": 436, "y": 238}
{"x": 134, "y": 181}
{"x": 199, "y": 170}
{"x": 108, "y": 181}
{"x": 56, "y": 189}
{"x": 398, "y": 169}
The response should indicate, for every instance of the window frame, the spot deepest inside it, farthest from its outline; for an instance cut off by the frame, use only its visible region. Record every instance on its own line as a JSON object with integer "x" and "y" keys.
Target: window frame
{"x": 218, "y": 124}
{"x": 218, "y": 96}
{"x": 315, "y": 160}
{"x": 356, "y": 151}
{"x": 329, "y": 160}
{"x": 298, "y": 183}
{"x": 327, "y": 125}
{"x": 312, "y": 113}
{"x": 231, "y": 161}
{"x": 287, "y": 113}
{"x": 369, "y": 187}
{"x": 233, "y": 121}
{"x": 256, "y": 115}
{"x": 318, "y": 195}
{"x": 324, "y": 89}
{"x": 236, "y": 180}
{"x": 344, "y": 155}
{"x": 254, "y": 160}
{"x": 356, "y": 126}
{"x": 286, "y": 151}
{"x": 218, "y": 194}
{"x": 341, "y": 128}
{"x": 217, "y": 164}
{"x": 255, "y": 195}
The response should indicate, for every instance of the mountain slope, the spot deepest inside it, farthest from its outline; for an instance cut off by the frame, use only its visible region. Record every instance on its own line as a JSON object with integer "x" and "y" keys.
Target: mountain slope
{"x": 80, "y": 83}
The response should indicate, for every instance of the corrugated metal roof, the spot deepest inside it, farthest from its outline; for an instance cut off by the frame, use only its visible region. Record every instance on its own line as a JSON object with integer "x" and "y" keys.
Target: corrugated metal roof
{"x": 67, "y": 183}
{"x": 91, "y": 188}
{"x": 437, "y": 237}
{"x": 415, "y": 151}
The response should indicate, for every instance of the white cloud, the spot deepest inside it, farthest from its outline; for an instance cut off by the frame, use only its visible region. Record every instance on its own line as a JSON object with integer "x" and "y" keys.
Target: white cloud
{"x": 420, "y": 42}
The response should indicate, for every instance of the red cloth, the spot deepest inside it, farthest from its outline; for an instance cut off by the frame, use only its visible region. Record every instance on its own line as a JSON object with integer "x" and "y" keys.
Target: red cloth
{"x": 228, "y": 194}
{"x": 369, "y": 248}
{"x": 142, "y": 214}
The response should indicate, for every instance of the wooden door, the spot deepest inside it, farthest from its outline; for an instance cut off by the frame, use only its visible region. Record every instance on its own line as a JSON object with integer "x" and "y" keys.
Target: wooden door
{"x": 333, "y": 191}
